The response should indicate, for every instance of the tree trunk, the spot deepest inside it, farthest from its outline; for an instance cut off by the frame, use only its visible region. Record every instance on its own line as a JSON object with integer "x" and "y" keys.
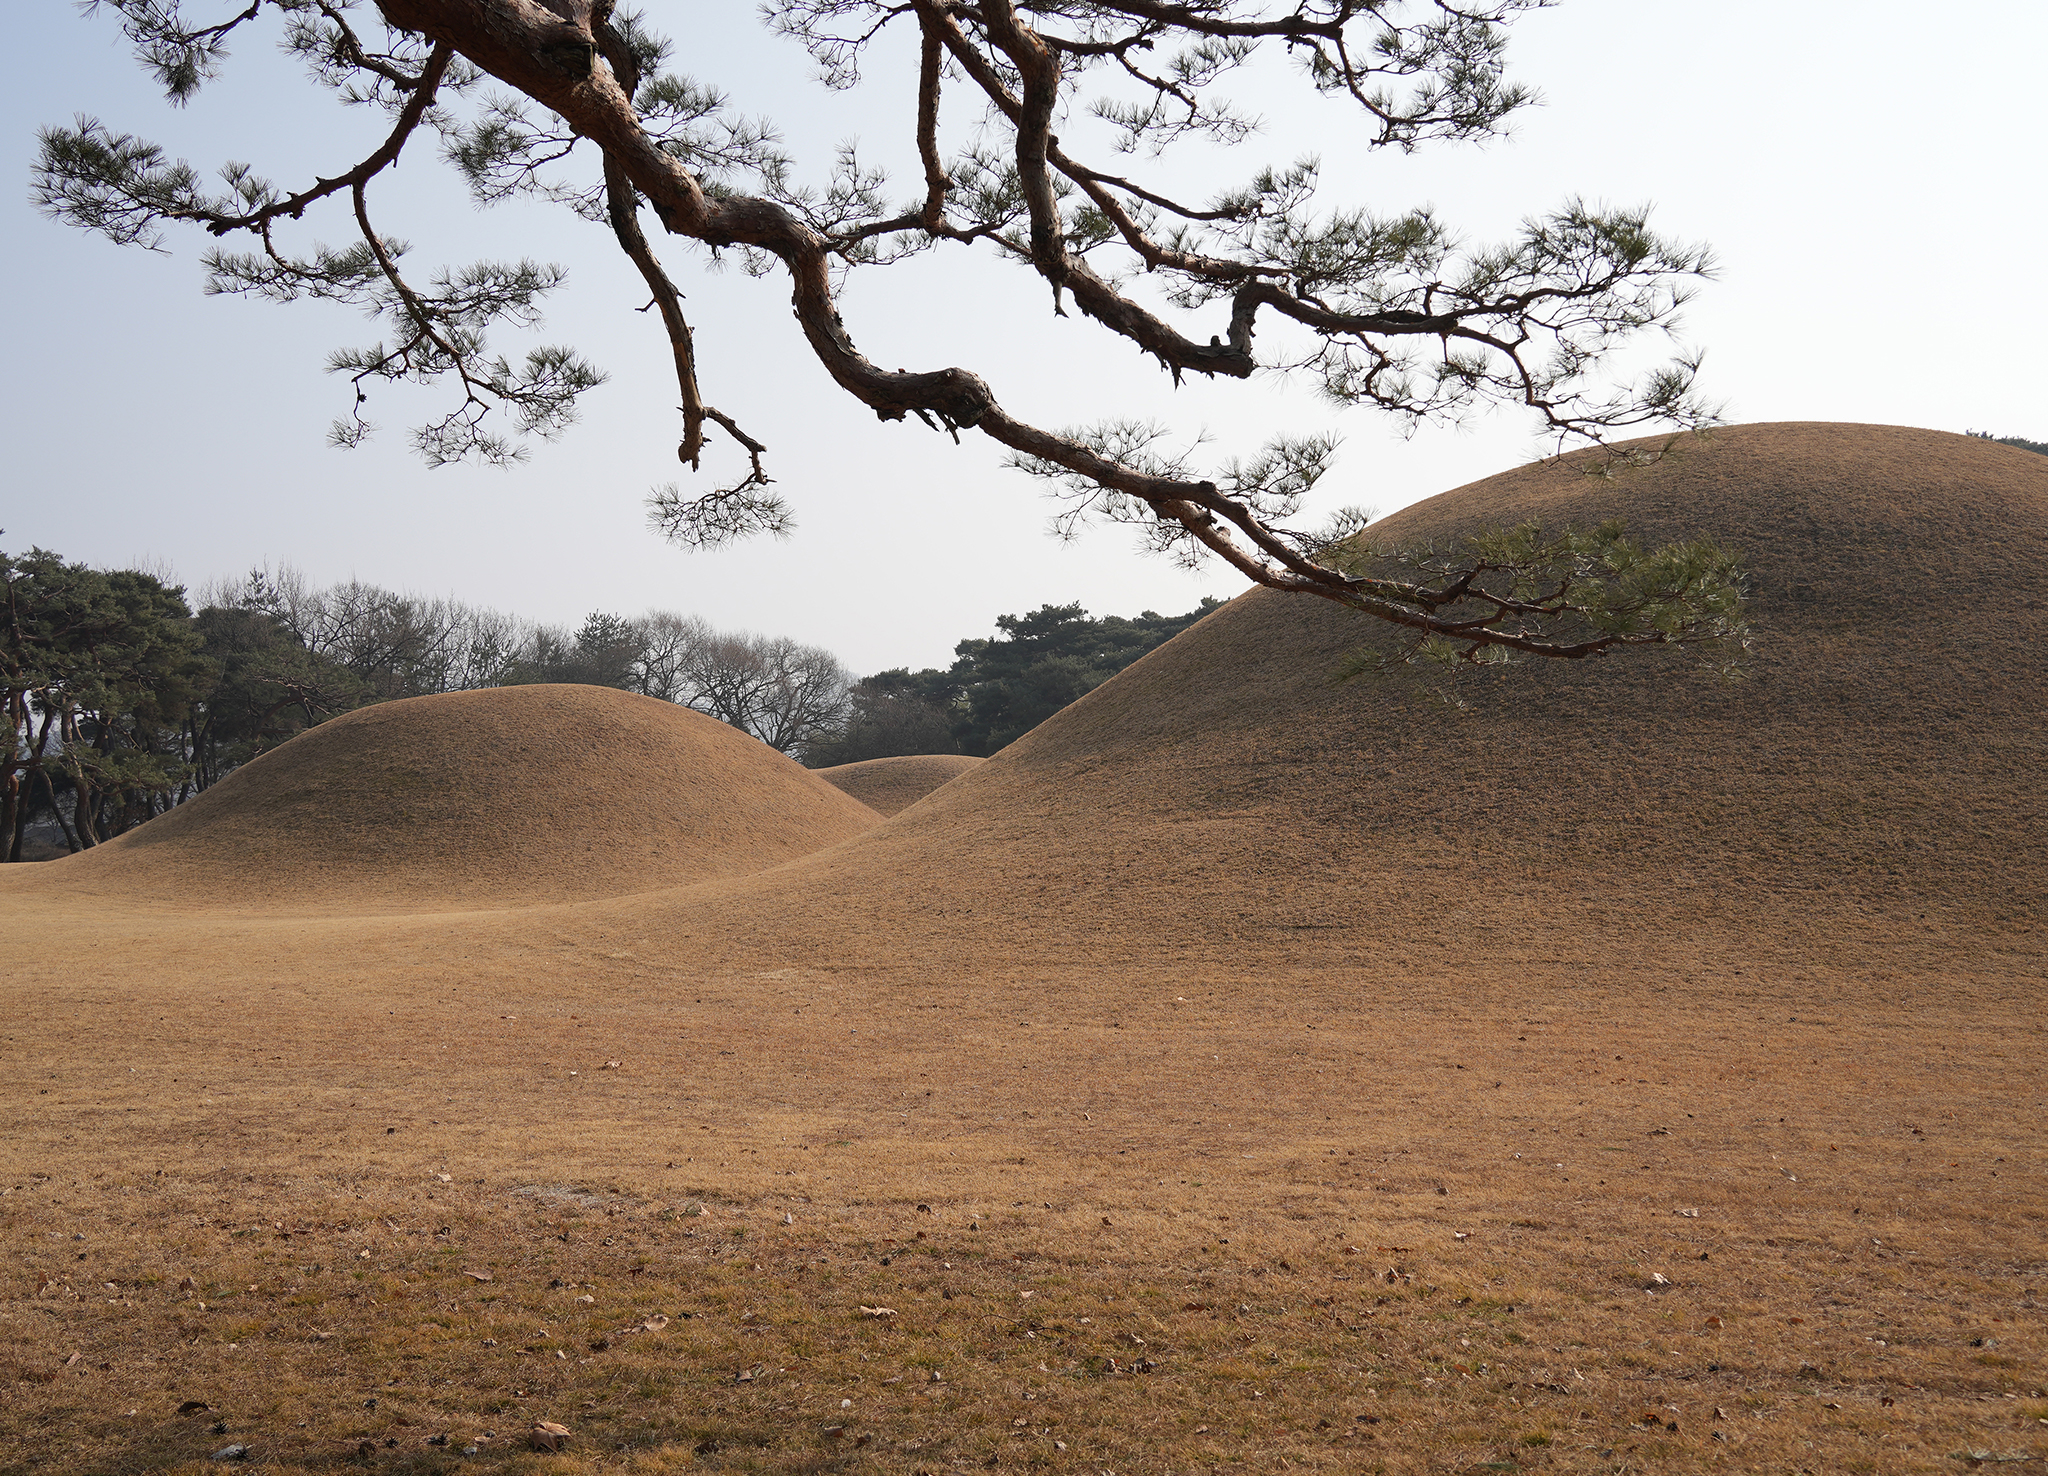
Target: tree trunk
{"x": 57, "y": 809}
{"x": 12, "y": 805}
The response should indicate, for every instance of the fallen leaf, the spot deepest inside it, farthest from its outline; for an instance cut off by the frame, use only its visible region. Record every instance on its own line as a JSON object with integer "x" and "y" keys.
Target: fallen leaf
{"x": 866, "y": 1311}
{"x": 479, "y": 1276}
{"x": 547, "y": 1435}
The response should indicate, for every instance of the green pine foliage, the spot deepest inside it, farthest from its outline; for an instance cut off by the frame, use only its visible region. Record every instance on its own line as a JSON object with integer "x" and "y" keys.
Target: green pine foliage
{"x": 2021, "y": 442}
{"x": 606, "y": 651}
{"x": 1585, "y": 590}
{"x": 997, "y": 689}
{"x": 269, "y": 687}
{"x": 1397, "y": 313}
{"x": 122, "y": 703}
{"x": 98, "y": 672}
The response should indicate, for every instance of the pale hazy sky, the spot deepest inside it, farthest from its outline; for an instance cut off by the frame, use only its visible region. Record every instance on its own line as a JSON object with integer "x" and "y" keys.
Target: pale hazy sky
{"x": 1869, "y": 177}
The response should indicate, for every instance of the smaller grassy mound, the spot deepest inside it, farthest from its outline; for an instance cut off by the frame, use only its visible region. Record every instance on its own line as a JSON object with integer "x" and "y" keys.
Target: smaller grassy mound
{"x": 518, "y": 795}
{"x": 888, "y": 785}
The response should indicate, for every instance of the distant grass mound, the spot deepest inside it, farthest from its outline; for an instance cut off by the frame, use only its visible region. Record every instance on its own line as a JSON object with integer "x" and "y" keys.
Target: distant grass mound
{"x": 518, "y": 795}
{"x": 890, "y": 785}
{"x": 1874, "y": 784}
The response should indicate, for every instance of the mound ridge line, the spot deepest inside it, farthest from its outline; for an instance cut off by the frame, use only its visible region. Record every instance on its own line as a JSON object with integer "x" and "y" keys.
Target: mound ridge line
{"x": 505, "y": 797}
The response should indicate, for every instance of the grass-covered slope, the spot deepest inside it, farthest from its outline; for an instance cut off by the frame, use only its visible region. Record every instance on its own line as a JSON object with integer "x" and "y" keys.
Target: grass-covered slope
{"x": 477, "y": 799}
{"x": 891, "y": 785}
{"x": 1872, "y": 785}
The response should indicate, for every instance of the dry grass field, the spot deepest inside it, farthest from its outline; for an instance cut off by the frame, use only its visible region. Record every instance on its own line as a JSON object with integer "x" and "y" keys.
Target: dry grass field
{"x": 1240, "y": 1073}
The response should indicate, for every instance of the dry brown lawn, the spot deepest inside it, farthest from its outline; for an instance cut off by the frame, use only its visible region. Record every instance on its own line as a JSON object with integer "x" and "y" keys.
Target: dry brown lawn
{"x": 1649, "y": 1081}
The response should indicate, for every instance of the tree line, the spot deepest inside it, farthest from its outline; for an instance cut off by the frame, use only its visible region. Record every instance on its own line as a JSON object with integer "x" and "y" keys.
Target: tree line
{"x": 996, "y": 690}
{"x": 123, "y": 701}
{"x": 2020, "y": 442}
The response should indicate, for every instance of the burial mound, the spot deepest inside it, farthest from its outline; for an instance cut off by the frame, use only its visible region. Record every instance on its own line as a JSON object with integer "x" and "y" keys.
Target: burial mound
{"x": 1869, "y": 790}
{"x": 517, "y": 795}
{"x": 891, "y": 785}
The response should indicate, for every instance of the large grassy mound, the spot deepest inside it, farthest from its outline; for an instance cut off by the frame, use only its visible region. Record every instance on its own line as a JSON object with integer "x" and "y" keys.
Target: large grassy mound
{"x": 1872, "y": 785}
{"x": 491, "y": 798}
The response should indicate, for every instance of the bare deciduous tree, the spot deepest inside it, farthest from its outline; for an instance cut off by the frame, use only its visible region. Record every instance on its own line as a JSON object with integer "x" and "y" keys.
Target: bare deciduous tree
{"x": 786, "y": 694}
{"x": 396, "y": 644}
{"x": 570, "y": 100}
{"x": 670, "y": 646}
{"x": 781, "y": 691}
